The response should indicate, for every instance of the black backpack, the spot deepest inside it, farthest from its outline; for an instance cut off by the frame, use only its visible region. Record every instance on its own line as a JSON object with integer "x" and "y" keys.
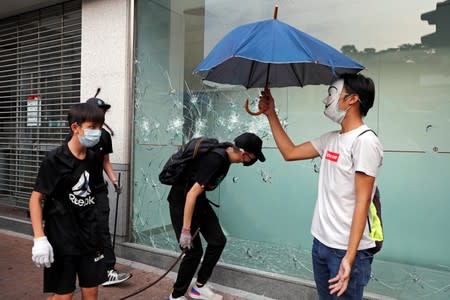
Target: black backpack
{"x": 376, "y": 230}
{"x": 177, "y": 163}
{"x": 374, "y": 221}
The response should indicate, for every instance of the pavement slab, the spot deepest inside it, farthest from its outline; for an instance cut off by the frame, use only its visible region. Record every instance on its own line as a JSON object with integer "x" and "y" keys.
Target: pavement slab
{"x": 21, "y": 279}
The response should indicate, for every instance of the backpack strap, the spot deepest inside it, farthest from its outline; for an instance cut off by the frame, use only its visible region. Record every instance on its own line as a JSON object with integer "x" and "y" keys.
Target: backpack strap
{"x": 215, "y": 204}
{"x": 197, "y": 147}
{"x": 367, "y": 131}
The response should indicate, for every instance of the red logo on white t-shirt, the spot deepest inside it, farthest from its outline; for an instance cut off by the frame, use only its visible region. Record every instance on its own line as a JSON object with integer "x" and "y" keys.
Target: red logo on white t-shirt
{"x": 332, "y": 156}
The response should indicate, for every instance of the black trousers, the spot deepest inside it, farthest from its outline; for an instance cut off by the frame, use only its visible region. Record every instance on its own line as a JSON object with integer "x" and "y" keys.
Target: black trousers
{"x": 204, "y": 218}
{"x": 103, "y": 219}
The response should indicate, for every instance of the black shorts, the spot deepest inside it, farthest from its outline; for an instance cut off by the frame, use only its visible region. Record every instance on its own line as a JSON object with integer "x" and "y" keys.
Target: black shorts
{"x": 60, "y": 278}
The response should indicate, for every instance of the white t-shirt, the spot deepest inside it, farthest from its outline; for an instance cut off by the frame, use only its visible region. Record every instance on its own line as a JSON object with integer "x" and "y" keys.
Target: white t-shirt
{"x": 343, "y": 155}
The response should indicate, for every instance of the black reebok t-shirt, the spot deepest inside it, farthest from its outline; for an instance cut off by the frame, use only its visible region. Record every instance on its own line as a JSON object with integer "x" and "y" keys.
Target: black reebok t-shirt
{"x": 69, "y": 186}
{"x": 208, "y": 170}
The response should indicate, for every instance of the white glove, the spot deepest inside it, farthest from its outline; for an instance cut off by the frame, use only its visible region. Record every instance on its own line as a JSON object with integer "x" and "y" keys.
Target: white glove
{"x": 186, "y": 239}
{"x": 42, "y": 252}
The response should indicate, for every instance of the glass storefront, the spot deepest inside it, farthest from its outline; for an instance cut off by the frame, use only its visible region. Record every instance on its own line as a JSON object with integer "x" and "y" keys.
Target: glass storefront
{"x": 266, "y": 210}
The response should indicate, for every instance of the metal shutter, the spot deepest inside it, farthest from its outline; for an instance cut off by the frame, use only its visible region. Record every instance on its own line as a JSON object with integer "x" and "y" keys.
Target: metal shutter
{"x": 40, "y": 61}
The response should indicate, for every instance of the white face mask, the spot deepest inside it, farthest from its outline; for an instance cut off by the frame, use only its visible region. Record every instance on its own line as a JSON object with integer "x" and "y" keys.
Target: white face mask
{"x": 331, "y": 102}
{"x": 90, "y": 138}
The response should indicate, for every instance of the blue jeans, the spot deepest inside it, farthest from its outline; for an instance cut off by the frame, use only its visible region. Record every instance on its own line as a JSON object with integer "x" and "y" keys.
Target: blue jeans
{"x": 326, "y": 262}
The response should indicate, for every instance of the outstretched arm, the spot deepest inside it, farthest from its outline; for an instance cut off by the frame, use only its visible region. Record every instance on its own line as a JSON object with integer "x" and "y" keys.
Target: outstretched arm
{"x": 288, "y": 149}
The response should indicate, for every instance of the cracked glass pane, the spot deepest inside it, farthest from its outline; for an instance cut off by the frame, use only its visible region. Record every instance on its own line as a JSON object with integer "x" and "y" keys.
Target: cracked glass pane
{"x": 266, "y": 210}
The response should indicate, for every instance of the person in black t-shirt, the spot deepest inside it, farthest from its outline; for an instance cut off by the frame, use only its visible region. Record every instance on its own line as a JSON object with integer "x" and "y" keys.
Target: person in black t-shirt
{"x": 190, "y": 209}
{"x": 70, "y": 245}
{"x": 102, "y": 151}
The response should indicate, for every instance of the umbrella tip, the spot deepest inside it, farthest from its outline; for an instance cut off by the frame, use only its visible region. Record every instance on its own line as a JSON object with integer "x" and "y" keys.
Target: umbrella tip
{"x": 275, "y": 13}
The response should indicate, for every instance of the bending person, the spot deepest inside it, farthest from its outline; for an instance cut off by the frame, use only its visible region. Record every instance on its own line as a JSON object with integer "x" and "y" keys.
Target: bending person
{"x": 190, "y": 209}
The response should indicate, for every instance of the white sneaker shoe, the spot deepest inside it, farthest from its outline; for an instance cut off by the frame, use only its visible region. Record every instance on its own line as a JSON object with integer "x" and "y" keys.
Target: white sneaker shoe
{"x": 114, "y": 277}
{"x": 204, "y": 293}
{"x": 179, "y": 298}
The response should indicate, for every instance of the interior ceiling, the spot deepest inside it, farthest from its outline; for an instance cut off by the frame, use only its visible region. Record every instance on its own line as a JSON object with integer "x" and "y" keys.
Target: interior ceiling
{"x": 12, "y": 8}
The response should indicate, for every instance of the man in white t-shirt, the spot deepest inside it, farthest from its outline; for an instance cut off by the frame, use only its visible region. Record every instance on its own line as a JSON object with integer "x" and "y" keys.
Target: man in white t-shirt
{"x": 351, "y": 159}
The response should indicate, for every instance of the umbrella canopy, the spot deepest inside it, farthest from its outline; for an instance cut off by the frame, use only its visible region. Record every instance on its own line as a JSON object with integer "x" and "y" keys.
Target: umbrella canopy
{"x": 271, "y": 54}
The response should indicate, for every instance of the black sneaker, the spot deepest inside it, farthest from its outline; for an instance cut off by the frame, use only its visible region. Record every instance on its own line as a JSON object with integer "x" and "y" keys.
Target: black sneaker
{"x": 114, "y": 277}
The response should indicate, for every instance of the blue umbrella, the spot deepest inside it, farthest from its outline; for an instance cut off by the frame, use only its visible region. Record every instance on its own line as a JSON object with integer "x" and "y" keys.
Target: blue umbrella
{"x": 270, "y": 54}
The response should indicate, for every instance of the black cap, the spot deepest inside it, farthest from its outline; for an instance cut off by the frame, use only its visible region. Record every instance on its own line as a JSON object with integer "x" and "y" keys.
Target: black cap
{"x": 99, "y": 102}
{"x": 250, "y": 143}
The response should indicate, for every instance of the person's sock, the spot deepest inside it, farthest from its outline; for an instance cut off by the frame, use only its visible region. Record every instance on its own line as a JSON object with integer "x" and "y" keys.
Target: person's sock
{"x": 199, "y": 284}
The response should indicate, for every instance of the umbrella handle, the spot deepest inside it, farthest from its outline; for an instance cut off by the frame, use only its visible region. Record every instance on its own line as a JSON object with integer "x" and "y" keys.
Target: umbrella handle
{"x": 247, "y": 109}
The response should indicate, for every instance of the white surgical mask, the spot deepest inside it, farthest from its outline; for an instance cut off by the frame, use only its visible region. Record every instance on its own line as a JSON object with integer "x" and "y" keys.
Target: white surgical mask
{"x": 90, "y": 138}
{"x": 331, "y": 102}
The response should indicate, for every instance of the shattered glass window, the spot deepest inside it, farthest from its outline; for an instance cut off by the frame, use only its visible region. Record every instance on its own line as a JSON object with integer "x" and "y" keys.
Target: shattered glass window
{"x": 266, "y": 209}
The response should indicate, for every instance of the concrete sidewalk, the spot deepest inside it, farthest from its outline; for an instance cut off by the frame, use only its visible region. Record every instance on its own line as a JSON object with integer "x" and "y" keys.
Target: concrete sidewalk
{"x": 21, "y": 279}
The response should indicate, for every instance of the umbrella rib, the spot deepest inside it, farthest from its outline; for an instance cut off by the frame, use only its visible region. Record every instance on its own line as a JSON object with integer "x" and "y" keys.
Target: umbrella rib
{"x": 252, "y": 70}
{"x": 296, "y": 75}
{"x": 267, "y": 75}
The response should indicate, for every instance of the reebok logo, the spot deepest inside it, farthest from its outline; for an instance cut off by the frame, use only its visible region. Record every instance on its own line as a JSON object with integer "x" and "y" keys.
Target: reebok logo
{"x": 81, "y": 188}
{"x": 332, "y": 156}
{"x": 81, "y": 192}
{"x": 81, "y": 201}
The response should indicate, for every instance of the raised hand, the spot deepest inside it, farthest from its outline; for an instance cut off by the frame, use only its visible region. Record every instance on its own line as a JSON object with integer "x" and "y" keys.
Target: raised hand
{"x": 266, "y": 103}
